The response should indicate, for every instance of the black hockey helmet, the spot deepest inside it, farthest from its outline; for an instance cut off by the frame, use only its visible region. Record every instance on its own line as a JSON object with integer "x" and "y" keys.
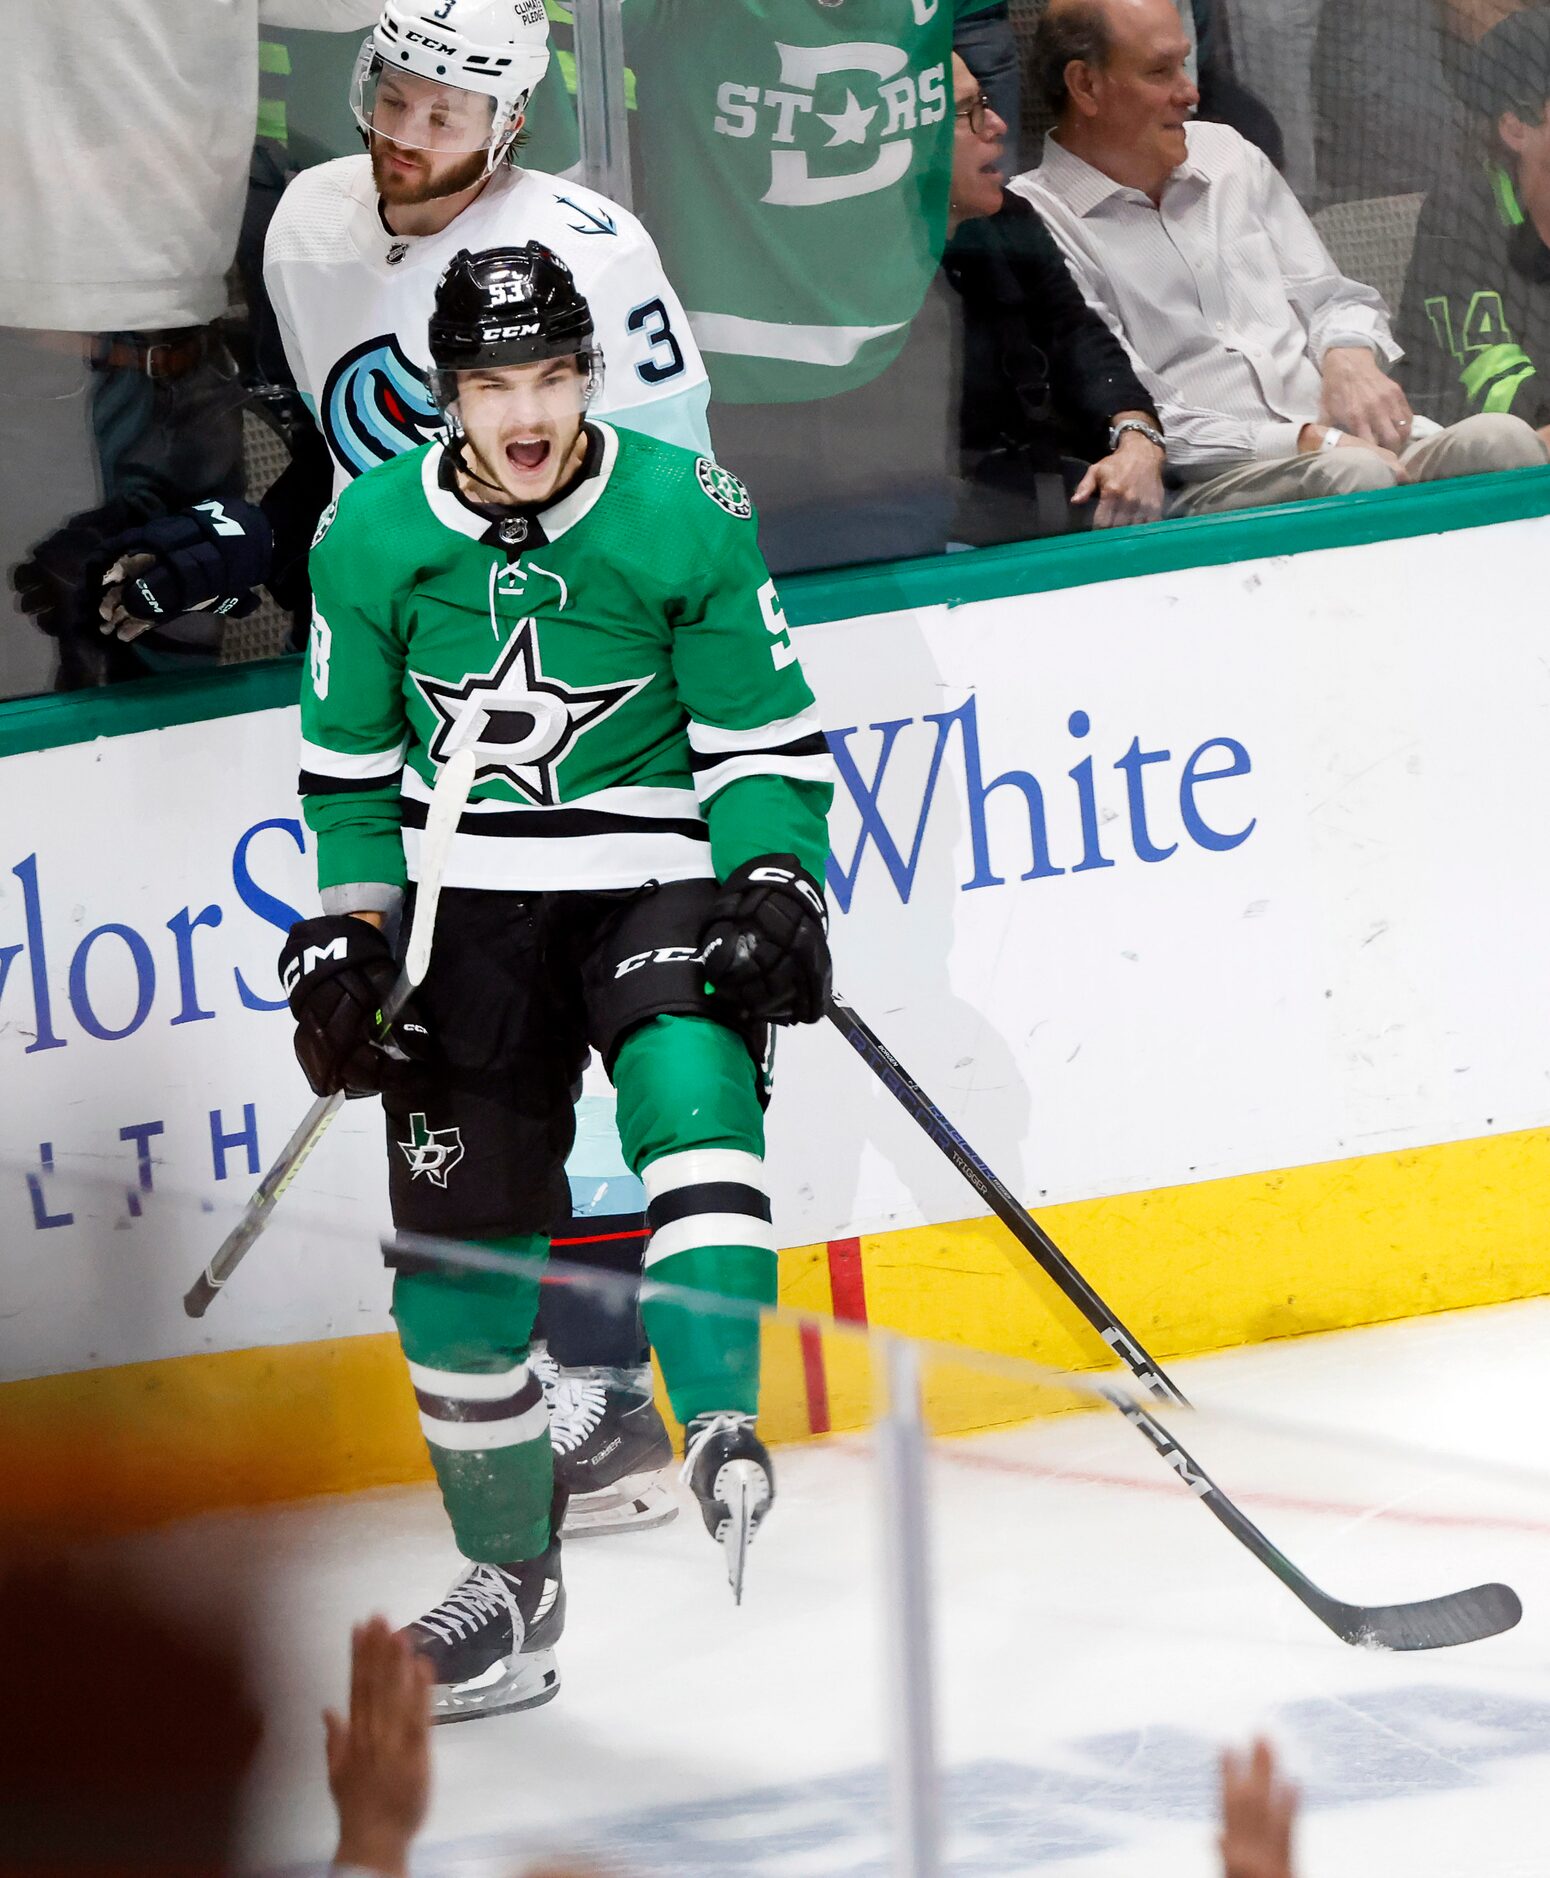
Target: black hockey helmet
{"x": 508, "y": 306}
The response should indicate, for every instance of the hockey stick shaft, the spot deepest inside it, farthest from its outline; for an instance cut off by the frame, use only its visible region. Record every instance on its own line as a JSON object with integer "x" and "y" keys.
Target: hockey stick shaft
{"x": 1433, "y": 1623}
{"x": 447, "y": 802}
{"x": 1001, "y": 1201}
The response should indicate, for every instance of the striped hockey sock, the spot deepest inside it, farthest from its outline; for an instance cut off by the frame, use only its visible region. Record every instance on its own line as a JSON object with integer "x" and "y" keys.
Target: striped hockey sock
{"x": 709, "y": 1215}
{"x": 488, "y": 1434}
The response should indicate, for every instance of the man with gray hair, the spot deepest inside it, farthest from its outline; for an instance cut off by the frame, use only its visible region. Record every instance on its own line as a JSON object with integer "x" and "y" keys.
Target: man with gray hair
{"x": 1265, "y": 362}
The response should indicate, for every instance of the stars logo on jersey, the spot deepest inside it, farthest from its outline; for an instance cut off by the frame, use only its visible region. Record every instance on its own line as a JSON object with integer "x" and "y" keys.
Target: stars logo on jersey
{"x": 433, "y": 1152}
{"x": 859, "y": 100}
{"x": 324, "y": 521}
{"x": 723, "y": 488}
{"x": 376, "y": 405}
{"x": 519, "y": 724}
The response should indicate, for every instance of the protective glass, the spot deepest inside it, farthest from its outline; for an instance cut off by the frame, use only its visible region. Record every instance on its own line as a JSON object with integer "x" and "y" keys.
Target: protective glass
{"x": 423, "y": 113}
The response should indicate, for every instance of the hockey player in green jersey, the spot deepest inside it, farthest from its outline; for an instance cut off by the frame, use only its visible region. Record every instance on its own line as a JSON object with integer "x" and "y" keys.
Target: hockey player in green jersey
{"x": 637, "y": 871}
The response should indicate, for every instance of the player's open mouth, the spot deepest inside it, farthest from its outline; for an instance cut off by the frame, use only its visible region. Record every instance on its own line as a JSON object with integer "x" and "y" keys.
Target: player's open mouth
{"x": 527, "y": 458}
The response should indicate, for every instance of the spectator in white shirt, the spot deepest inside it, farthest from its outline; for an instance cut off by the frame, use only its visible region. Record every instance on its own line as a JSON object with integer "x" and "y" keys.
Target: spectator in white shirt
{"x": 1265, "y": 363}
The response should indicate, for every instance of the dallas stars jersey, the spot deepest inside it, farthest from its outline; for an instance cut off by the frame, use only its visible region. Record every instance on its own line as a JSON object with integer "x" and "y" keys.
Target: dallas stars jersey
{"x": 617, "y": 660}
{"x": 793, "y": 159}
{"x": 353, "y": 302}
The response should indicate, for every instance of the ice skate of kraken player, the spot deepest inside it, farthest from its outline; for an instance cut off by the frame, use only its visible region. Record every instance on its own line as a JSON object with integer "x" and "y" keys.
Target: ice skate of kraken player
{"x": 351, "y": 264}
{"x": 637, "y": 872}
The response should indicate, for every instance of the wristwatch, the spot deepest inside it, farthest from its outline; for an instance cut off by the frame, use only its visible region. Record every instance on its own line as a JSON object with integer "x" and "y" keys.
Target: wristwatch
{"x": 1150, "y": 431}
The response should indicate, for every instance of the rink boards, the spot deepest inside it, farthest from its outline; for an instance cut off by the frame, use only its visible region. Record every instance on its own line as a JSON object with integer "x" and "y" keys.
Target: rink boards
{"x": 1205, "y": 895}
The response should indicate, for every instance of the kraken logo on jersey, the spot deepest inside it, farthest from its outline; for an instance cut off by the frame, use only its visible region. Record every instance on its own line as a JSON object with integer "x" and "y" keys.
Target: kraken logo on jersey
{"x": 433, "y": 1152}
{"x": 376, "y": 405}
{"x": 519, "y": 724}
{"x": 857, "y": 101}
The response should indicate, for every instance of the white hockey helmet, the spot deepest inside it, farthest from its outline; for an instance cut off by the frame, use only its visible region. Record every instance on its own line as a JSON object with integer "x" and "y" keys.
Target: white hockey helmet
{"x": 496, "y": 50}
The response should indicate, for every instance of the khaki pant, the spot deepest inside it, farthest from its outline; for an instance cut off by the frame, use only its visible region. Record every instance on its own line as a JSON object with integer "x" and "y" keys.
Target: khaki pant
{"x": 1489, "y": 441}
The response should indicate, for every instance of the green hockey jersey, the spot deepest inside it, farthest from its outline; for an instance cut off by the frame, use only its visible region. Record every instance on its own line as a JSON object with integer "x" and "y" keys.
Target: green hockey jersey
{"x": 792, "y": 162}
{"x": 617, "y": 660}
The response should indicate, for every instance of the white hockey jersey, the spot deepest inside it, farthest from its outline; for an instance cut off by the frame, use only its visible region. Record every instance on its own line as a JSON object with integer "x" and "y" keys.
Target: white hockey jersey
{"x": 353, "y": 301}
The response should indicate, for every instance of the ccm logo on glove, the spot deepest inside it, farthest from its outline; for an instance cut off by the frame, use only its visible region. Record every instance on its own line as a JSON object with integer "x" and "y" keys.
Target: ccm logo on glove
{"x": 792, "y": 877}
{"x": 337, "y": 972}
{"x": 765, "y": 946}
{"x": 293, "y": 970}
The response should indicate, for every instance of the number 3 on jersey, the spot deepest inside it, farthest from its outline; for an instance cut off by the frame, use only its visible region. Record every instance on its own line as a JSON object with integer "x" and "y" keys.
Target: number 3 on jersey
{"x": 782, "y": 652}
{"x": 652, "y": 320}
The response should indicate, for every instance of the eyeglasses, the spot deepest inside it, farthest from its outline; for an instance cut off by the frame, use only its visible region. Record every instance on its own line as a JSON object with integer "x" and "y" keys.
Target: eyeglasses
{"x": 975, "y": 111}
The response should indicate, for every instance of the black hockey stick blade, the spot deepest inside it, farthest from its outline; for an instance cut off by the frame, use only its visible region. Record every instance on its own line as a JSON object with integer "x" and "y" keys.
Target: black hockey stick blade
{"x": 1431, "y": 1624}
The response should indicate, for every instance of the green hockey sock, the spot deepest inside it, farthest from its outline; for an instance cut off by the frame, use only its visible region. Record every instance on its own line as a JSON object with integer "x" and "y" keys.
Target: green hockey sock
{"x": 481, "y": 1408}
{"x": 693, "y": 1130}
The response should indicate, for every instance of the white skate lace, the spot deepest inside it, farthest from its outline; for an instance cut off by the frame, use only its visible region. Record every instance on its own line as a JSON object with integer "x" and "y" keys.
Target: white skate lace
{"x": 575, "y": 1409}
{"x": 716, "y": 1425}
{"x": 483, "y": 1594}
{"x": 544, "y": 1367}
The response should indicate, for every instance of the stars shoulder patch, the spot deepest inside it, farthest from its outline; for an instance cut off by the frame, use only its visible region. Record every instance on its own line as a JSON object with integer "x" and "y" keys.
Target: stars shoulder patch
{"x": 325, "y": 520}
{"x": 723, "y": 488}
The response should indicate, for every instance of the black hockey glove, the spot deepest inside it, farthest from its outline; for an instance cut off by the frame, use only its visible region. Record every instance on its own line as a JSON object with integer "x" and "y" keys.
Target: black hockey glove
{"x": 60, "y": 583}
{"x": 766, "y": 945}
{"x": 337, "y": 971}
{"x": 209, "y": 557}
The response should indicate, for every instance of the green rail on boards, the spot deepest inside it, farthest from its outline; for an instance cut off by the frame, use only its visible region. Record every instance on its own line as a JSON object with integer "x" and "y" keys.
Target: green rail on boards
{"x": 1030, "y": 567}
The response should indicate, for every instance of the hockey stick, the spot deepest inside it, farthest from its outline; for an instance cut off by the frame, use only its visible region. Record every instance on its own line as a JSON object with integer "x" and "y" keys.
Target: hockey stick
{"x": 1430, "y": 1624}
{"x": 441, "y": 819}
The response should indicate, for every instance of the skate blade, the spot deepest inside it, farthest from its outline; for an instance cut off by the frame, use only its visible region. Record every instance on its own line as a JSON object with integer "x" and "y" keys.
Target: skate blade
{"x": 633, "y": 1505}
{"x": 743, "y": 1487}
{"x": 518, "y": 1683}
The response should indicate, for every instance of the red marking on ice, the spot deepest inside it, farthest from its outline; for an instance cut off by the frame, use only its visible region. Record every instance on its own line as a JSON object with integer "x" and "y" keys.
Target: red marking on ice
{"x": 1283, "y": 1502}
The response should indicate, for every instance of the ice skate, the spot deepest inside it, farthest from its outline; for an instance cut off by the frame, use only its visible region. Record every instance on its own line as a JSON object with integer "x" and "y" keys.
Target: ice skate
{"x": 733, "y": 1478}
{"x": 609, "y": 1443}
{"x": 491, "y": 1639}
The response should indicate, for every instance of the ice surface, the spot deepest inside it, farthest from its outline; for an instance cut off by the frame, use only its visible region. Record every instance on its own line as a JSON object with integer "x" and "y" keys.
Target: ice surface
{"x": 1099, "y": 1637}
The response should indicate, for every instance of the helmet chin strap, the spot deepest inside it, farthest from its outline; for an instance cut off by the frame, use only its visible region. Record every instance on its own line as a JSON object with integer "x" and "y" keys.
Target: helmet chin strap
{"x": 499, "y": 151}
{"x": 461, "y": 462}
{"x": 455, "y": 448}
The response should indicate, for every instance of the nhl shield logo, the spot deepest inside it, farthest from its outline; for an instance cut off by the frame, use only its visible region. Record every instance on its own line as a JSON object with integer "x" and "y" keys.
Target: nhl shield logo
{"x": 433, "y": 1152}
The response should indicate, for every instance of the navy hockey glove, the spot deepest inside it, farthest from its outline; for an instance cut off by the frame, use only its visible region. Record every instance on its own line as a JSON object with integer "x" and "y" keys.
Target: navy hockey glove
{"x": 60, "y": 583}
{"x": 766, "y": 944}
{"x": 337, "y": 971}
{"x": 209, "y": 557}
